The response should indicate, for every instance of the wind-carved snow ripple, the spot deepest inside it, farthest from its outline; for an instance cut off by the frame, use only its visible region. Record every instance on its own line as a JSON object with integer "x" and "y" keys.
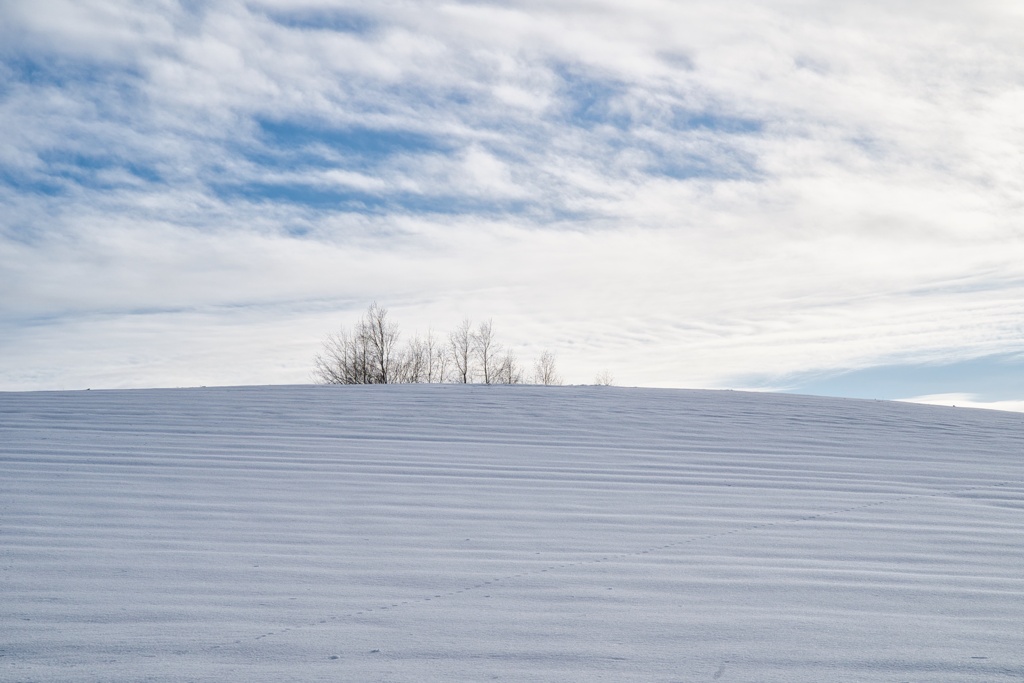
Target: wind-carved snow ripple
{"x": 878, "y": 535}
{"x": 583, "y": 564}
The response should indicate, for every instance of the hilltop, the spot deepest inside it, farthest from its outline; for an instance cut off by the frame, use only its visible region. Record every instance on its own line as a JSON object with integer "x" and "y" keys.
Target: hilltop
{"x": 443, "y": 533}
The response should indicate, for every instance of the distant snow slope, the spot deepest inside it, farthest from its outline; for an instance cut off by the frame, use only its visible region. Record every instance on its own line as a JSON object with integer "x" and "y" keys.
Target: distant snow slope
{"x": 454, "y": 533}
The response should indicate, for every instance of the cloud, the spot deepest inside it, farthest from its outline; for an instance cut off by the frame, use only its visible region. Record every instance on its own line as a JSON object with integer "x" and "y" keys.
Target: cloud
{"x": 685, "y": 193}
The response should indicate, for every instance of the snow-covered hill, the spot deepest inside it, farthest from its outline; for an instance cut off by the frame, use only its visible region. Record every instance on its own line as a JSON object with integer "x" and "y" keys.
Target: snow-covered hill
{"x": 453, "y": 533}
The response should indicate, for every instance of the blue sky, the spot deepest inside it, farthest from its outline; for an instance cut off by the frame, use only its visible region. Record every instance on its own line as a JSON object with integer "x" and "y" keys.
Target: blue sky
{"x": 784, "y": 195}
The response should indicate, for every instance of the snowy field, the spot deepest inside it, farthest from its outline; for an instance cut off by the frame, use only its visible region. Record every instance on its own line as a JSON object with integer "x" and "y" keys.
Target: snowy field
{"x": 451, "y": 533}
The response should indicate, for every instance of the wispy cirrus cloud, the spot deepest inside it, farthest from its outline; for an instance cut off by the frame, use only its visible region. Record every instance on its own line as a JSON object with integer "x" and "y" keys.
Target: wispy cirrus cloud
{"x": 686, "y": 193}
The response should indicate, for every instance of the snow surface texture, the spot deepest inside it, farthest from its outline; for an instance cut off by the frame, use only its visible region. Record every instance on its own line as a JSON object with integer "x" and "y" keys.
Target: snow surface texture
{"x": 450, "y": 533}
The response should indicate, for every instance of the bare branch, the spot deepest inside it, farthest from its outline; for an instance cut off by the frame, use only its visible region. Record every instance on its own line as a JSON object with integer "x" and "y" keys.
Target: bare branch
{"x": 461, "y": 344}
{"x": 544, "y": 370}
{"x": 486, "y": 349}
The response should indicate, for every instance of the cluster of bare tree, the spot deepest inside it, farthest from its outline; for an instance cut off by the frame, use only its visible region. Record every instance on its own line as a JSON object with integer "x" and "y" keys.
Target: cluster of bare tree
{"x": 370, "y": 353}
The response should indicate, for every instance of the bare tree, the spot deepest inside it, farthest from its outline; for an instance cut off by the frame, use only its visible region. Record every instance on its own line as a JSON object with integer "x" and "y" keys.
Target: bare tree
{"x": 438, "y": 359}
{"x": 343, "y": 360}
{"x": 366, "y": 355}
{"x": 460, "y": 342}
{"x": 383, "y": 338}
{"x": 369, "y": 353}
{"x": 604, "y": 378}
{"x": 424, "y": 360}
{"x": 414, "y": 362}
{"x": 509, "y": 371}
{"x": 544, "y": 370}
{"x": 487, "y": 349}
